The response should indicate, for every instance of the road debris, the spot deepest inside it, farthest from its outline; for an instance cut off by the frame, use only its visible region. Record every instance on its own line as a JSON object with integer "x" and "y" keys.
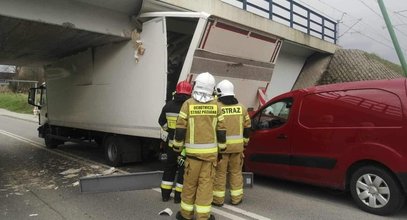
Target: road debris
{"x": 70, "y": 171}
{"x": 109, "y": 171}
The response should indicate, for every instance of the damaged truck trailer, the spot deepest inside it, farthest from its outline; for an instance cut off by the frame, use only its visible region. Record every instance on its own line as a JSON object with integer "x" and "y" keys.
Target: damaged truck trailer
{"x": 113, "y": 94}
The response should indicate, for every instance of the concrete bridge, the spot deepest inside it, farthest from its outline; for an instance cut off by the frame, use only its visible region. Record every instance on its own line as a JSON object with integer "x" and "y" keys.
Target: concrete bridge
{"x": 37, "y": 32}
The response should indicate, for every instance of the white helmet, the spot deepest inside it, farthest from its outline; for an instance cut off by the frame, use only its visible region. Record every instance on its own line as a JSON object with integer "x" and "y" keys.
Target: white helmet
{"x": 225, "y": 88}
{"x": 204, "y": 83}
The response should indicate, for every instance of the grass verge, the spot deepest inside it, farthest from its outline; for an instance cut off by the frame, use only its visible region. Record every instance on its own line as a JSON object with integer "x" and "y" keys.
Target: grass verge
{"x": 15, "y": 102}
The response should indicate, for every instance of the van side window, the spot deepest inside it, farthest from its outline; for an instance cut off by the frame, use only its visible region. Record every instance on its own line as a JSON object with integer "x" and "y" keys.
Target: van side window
{"x": 274, "y": 115}
{"x": 351, "y": 108}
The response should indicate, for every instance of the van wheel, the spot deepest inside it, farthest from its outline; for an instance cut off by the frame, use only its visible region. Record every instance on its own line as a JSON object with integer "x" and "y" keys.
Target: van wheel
{"x": 376, "y": 191}
{"x": 113, "y": 153}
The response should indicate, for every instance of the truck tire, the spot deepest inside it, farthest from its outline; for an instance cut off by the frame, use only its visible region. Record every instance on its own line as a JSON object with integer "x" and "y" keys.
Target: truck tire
{"x": 113, "y": 152}
{"x": 49, "y": 141}
{"x": 375, "y": 190}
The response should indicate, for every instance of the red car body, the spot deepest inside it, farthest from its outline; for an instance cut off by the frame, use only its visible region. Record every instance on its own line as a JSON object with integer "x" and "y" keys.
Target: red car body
{"x": 322, "y": 135}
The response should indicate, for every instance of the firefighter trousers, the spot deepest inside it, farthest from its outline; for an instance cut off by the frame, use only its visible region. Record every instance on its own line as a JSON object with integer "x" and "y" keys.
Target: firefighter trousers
{"x": 229, "y": 168}
{"x": 198, "y": 183}
{"x": 170, "y": 169}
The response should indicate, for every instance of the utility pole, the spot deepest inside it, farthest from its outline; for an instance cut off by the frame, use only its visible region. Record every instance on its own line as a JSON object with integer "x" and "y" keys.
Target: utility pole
{"x": 393, "y": 37}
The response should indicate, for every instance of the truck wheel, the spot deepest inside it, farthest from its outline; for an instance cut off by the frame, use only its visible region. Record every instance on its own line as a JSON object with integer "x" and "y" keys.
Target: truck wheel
{"x": 376, "y": 191}
{"x": 112, "y": 151}
{"x": 49, "y": 141}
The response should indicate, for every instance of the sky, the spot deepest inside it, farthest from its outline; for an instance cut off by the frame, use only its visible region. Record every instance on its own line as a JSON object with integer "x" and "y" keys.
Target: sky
{"x": 361, "y": 25}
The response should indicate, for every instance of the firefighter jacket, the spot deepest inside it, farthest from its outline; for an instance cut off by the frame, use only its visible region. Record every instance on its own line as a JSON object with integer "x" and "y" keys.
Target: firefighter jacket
{"x": 200, "y": 129}
{"x": 169, "y": 114}
{"x": 237, "y": 124}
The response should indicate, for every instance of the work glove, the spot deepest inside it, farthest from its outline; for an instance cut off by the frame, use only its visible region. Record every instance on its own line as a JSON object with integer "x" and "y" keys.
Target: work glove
{"x": 181, "y": 160}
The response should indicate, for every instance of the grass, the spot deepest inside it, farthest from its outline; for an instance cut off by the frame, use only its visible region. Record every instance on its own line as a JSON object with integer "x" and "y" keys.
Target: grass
{"x": 15, "y": 102}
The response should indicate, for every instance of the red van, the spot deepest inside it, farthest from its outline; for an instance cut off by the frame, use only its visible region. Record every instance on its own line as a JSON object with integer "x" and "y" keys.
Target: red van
{"x": 348, "y": 136}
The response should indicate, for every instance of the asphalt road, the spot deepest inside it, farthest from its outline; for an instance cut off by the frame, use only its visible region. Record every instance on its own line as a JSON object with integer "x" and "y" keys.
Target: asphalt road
{"x": 32, "y": 187}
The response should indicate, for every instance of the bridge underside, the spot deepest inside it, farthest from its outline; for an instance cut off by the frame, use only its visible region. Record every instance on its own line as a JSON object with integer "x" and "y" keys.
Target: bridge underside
{"x": 25, "y": 42}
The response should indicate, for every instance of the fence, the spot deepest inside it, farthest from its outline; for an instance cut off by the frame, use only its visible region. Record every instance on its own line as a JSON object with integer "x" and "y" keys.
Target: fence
{"x": 293, "y": 15}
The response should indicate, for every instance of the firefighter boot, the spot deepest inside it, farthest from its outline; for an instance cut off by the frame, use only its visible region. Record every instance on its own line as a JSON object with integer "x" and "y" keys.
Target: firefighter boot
{"x": 165, "y": 193}
{"x": 179, "y": 216}
{"x": 177, "y": 197}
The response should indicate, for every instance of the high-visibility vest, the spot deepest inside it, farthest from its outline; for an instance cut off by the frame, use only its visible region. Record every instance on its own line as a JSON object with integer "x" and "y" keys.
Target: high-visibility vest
{"x": 236, "y": 121}
{"x": 202, "y": 123}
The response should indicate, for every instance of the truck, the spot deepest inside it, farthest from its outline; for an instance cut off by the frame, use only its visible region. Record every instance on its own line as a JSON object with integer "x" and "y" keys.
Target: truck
{"x": 113, "y": 94}
{"x": 346, "y": 136}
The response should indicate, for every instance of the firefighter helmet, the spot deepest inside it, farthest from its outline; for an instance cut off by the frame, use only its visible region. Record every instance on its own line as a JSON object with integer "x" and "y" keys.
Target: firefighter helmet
{"x": 204, "y": 83}
{"x": 184, "y": 87}
{"x": 225, "y": 88}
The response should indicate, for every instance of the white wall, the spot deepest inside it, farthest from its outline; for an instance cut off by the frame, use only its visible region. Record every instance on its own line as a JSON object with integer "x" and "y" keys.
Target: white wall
{"x": 286, "y": 71}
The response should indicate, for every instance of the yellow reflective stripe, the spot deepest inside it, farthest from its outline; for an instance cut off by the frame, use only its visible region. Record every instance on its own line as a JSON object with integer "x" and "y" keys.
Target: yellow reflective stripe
{"x": 187, "y": 207}
{"x": 182, "y": 115}
{"x": 178, "y": 189}
{"x": 214, "y": 122}
{"x": 178, "y": 143}
{"x": 166, "y": 185}
{"x": 201, "y": 151}
{"x": 246, "y": 140}
{"x": 241, "y": 124}
{"x": 234, "y": 141}
{"x": 203, "y": 208}
{"x": 219, "y": 193}
{"x": 170, "y": 143}
{"x": 172, "y": 122}
{"x": 236, "y": 192}
{"x": 191, "y": 130}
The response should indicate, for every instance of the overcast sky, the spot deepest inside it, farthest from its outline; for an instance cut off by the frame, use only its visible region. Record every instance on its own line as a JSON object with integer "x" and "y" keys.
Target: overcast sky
{"x": 361, "y": 23}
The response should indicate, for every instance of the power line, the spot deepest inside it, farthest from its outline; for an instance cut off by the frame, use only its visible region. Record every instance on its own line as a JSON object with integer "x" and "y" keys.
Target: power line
{"x": 371, "y": 9}
{"x": 350, "y": 28}
{"x": 374, "y": 29}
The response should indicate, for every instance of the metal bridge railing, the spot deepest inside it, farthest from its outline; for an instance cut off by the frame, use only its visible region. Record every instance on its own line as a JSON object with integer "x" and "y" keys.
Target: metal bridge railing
{"x": 292, "y": 14}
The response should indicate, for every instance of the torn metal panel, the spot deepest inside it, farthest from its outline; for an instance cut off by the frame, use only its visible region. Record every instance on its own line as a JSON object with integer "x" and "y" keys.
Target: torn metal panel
{"x": 124, "y": 182}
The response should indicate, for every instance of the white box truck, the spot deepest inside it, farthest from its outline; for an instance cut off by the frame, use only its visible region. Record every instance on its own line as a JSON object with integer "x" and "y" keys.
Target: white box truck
{"x": 113, "y": 94}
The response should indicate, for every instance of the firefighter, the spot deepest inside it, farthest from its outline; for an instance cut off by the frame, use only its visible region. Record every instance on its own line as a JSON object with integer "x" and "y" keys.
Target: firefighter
{"x": 201, "y": 133}
{"x": 168, "y": 120}
{"x": 237, "y": 123}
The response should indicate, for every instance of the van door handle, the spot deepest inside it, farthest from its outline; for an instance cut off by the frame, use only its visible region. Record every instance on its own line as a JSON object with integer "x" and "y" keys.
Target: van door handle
{"x": 282, "y": 136}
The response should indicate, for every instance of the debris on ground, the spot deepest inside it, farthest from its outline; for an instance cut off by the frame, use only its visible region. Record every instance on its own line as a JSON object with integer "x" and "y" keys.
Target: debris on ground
{"x": 109, "y": 171}
{"x": 70, "y": 171}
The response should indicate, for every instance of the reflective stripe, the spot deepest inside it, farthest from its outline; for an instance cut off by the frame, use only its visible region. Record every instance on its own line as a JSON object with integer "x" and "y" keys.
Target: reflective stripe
{"x": 203, "y": 209}
{"x": 178, "y": 187}
{"x": 178, "y": 143}
{"x": 172, "y": 122}
{"x": 200, "y": 146}
{"x": 246, "y": 140}
{"x": 241, "y": 124}
{"x": 214, "y": 122}
{"x": 169, "y": 114}
{"x": 238, "y": 141}
{"x": 202, "y": 151}
{"x": 182, "y": 115}
{"x": 170, "y": 143}
{"x": 219, "y": 193}
{"x": 187, "y": 207}
{"x": 166, "y": 184}
{"x": 236, "y": 192}
{"x": 191, "y": 130}
{"x": 234, "y": 139}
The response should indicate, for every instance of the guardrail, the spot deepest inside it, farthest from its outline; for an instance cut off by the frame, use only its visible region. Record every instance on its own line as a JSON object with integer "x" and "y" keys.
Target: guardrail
{"x": 292, "y": 14}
